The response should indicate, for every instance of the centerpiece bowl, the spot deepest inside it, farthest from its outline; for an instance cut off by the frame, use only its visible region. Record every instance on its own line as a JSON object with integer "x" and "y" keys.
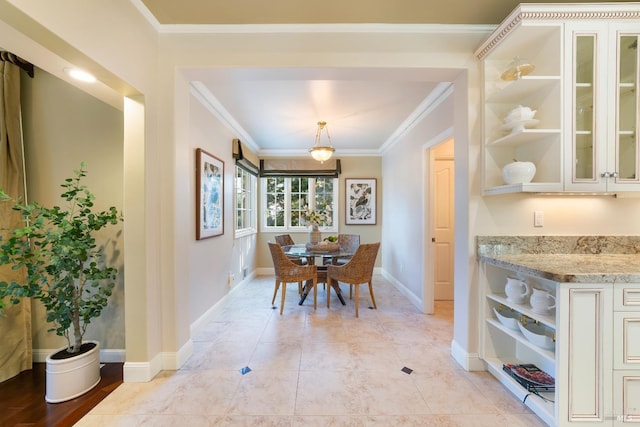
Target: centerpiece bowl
{"x": 323, "y": 246}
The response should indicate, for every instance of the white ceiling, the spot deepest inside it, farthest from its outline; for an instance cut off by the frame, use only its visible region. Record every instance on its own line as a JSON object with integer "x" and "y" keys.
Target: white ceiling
{"x": 276, "y": 110}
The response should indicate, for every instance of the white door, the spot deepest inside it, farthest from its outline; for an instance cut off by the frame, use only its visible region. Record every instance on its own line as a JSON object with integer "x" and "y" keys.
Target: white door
{"x": 443, "y": 234}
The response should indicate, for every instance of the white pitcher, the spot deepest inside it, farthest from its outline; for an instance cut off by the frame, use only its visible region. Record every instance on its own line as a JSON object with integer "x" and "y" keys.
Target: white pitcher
{"x": 516, "y": 290}
{"x": 542, "y": 301}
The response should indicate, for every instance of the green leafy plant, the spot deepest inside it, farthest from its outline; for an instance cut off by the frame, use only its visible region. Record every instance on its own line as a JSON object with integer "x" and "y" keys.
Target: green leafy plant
{"x": 65, "y": 269}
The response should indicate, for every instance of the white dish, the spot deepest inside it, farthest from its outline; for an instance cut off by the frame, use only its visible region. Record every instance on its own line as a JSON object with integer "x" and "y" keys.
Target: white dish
{"x": 508, "y": 317}
{"x": 538, "y": 335}
{"x": 520, "y": 113}
{"x": 519, "y": 125}
{"x": 518, "y": 173}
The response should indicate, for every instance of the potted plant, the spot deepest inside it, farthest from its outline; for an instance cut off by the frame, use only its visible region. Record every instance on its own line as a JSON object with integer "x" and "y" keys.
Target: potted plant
{"x": 67, "y": 272}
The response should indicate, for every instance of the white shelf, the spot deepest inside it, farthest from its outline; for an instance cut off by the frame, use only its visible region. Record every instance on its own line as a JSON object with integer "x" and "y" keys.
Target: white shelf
{"x": 523, "y": 137}
{"x": 531, "y": 187}
{"x": 548, "y": 355}
{"x": 544, "y": 409}
{"x": 547, "y": 320}
{"x": 518, "y": 90}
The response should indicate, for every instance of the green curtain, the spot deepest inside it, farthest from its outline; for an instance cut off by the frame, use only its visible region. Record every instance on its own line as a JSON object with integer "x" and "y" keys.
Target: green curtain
{"x": 15, "y": 328}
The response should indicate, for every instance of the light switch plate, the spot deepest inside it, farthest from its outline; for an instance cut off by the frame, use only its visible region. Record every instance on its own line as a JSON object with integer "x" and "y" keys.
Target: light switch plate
{"x": 538, "y": 218}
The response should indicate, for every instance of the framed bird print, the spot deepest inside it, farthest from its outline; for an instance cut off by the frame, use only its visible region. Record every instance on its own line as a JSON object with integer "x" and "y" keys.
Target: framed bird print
{"x": 210, "y": 197}
{"x": 361, "y": 201}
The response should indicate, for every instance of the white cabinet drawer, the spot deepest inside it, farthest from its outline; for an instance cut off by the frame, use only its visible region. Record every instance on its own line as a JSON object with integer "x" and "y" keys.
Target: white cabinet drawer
{"x": 626, "y": 297}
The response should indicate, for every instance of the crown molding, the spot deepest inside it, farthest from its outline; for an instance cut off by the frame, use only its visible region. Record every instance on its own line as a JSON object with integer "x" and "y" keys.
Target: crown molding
{"x": 430, "y": 103}
{"x": 558, "y": 13}
{"x": 322, "y": 28}
{"x": 211, "y": 103}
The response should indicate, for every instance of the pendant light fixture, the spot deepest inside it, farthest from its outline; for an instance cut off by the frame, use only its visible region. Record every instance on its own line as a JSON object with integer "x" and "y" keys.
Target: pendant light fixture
{"x": 321, "y": 152}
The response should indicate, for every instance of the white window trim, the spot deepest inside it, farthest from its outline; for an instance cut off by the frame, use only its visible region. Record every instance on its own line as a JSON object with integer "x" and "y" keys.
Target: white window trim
{"x": 333, "y": 228}
{"x": 253, "y": 228}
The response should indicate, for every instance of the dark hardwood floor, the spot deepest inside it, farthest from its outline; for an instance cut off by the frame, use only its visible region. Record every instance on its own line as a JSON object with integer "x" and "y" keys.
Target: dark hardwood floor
{"x": 22, "y": 399}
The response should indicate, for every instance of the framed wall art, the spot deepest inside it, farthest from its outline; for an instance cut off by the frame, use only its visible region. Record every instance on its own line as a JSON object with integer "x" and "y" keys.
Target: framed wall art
{"x": 361, "y": 201}
{"x": 210, "y": 197}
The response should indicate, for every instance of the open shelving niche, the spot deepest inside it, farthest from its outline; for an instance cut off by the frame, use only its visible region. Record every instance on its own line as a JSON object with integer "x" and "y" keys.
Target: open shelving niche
{"x": 502, "y": 345}
{"x": 540, "y": 43}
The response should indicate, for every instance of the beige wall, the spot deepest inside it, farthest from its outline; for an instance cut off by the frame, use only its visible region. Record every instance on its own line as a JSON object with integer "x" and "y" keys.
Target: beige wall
{"x": 212, "y": 260}
{"x": 352, "y": 167}
{"x": 63, "y": 127}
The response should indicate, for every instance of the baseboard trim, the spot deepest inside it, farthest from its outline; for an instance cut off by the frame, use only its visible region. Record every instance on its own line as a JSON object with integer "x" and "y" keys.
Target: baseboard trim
{"x": 404, "y": 290}
{"x": 468, "y": 361}
{"x": 215, "y": 309}
{"x": 142, "y": 372}
{"x": 173, "y": 360}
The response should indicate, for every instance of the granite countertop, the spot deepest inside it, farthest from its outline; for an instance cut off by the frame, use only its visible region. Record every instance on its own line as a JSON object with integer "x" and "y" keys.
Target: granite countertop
{"x": 584, "y": 259}
{"x": 576, "y": 268}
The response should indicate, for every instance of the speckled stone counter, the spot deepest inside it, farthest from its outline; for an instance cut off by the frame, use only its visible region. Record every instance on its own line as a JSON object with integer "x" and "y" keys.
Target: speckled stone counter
{"x": 577, "y": 259}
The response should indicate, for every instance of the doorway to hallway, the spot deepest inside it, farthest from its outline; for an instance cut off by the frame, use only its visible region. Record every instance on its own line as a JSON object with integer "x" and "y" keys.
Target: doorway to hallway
{"x": 442, "y": 213}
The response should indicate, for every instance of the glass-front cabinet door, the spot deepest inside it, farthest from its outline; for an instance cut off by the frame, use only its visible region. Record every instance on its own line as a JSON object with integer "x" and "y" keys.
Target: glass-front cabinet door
{"x": 603, "y": 115}
{"x": 587, "y": 83}
{"x": 584, "y": 86}
{"x": 626, "y": 126}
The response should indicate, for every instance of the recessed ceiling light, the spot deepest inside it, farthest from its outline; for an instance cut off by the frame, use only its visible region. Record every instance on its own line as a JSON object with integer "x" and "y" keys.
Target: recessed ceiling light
{"x": 80, "y": 75}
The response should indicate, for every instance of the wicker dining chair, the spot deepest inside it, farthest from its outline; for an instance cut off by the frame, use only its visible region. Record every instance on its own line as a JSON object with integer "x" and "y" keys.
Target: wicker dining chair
{"x": 288, "y": 272}
{"x": 286, "y": 240}
{"x": 357, "y": 271}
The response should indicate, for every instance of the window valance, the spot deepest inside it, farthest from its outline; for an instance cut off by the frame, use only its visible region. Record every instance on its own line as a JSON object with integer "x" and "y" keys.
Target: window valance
{"x": 245, "y": 158}
{"x": 300, "y": 167}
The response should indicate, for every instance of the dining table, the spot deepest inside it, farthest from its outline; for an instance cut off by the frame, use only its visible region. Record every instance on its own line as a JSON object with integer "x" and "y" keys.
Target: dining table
{"x": 301, "y": 251}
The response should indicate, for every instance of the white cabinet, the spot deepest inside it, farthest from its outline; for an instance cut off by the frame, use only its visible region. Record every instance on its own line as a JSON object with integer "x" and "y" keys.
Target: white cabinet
{"x": 581, "y": 361}
{"x": 626, "y": 355}
{"x": 585, "y": 134}
{"x": 601, "y": 131}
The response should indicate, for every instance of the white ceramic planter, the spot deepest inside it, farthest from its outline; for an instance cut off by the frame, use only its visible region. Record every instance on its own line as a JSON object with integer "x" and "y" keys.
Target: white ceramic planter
{"x": 69, "y": 378}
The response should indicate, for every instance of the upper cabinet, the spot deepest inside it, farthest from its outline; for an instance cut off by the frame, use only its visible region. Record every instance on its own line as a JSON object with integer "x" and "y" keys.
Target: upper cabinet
{"x": 576, "y": 66}
{"x": 602, "y": 125}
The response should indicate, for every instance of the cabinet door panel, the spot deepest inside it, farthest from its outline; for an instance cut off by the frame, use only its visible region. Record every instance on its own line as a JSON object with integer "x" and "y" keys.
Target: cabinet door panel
{"x": 586, "y": 367}
{"x": 584, "y": 94}
{"x": 626, "y": 397}
{"x": 586, "y": 117}
{"x": 626, "y": 335}
{"x": 627, "y": 107}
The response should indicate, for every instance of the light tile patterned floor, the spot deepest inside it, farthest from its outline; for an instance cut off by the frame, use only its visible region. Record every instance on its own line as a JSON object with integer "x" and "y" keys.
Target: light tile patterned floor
{"x": 322, "y": 368}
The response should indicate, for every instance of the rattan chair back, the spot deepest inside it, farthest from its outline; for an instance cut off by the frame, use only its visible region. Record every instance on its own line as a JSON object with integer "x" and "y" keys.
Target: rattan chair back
{"x": 349, "y": 242}
{"x": 284, "y": 240}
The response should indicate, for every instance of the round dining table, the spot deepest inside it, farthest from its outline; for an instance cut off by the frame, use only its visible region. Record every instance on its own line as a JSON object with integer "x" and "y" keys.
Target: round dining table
{"x": 301, "y": 251}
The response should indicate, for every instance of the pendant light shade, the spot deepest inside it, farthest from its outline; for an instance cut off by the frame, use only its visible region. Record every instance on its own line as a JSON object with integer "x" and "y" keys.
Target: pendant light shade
{"x": 321, "y": 152}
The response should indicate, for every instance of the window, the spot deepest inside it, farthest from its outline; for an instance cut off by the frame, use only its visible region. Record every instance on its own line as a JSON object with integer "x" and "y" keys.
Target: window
{"x": 245, "y": 202}
{"x": 285, "y": 200}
